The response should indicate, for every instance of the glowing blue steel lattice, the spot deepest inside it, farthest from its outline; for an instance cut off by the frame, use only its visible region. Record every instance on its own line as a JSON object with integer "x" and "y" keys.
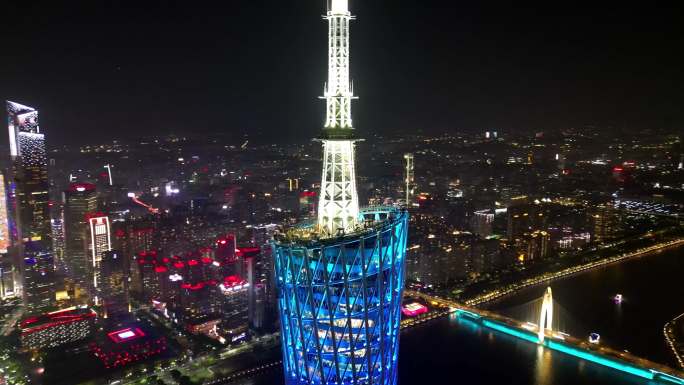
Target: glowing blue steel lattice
{"x": 340, "y": 306}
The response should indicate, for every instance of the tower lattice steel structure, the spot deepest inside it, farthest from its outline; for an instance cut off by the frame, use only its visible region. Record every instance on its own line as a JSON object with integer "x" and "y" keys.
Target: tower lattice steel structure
{"x": 340, "y": 302}
{"x": 338, "y": 207}
{"x": 341, "y": 279}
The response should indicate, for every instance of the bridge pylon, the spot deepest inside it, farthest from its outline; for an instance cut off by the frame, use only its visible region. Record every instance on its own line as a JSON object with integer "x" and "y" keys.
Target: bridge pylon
{"x": 546, "y": 315}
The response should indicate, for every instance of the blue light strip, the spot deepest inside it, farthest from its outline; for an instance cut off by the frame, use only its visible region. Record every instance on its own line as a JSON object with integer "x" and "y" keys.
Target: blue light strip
{"x": 648, "y": 374}
{"x": 515, "y": 333}
{"x": 585, "y": 355}
{"x": 466, "y": 313}
{"x": 660, "y": 376}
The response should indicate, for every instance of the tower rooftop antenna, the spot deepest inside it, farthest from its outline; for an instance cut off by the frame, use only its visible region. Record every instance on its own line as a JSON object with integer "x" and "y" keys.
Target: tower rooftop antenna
{"x": 338, "y": 207}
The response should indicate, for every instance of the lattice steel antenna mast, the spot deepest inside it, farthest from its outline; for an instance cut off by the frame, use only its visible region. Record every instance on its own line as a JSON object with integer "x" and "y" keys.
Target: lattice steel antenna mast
{"x": 338, "y": 207}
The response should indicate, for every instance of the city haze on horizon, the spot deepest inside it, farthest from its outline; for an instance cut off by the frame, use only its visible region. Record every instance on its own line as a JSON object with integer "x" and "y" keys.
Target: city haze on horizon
{"x": 97, "y": 73}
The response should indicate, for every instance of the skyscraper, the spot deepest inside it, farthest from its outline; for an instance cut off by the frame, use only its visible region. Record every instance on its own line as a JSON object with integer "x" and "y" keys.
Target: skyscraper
{"x": 80, "y": 200}
{"x": 7, "y": 270}
{"x": 29, "y": 207}
{"x": 29, "y": 169}
{"x": 340, "y": 281}
{"x": 39, "y": 276}
{"x": 482, "y": 222}
{"x": 114, "y": 284}
{"x": 99, "y": 242}
{"x": 409, "y": 179}
{"x": 606, "y": 222}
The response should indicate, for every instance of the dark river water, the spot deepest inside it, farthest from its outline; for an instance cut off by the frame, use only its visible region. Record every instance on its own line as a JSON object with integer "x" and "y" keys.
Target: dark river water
{"x": 449, "y": 351}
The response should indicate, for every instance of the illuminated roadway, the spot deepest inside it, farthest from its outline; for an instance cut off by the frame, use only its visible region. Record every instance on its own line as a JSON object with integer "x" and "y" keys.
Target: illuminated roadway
{"x": 496, "y": 294}
{"x": 671, "y": 339}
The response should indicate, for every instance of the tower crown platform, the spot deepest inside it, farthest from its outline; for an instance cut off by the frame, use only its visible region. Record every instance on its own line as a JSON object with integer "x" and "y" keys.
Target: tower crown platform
{"x": 339, "y": 7}
{"x": 340, "y": 301}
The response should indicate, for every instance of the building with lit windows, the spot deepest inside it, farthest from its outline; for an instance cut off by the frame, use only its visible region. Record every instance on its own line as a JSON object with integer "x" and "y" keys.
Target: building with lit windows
{"x": 340, "y": 280}
{"x": 307, "y": 204}
{"x": 57, "y": 328}
{"x": 482, "y": 222}
{"x": 524, "y": 219}
{"x": 234, "y": 306}
{"x": 114, "y": 284}
{"x": 5, "y": 241}
{"x": 29, "y": 169}
{"x": 29, "y": 206}
{"x": 39, "y": 276}
{"x": 58, "y": 241}
{"x": 8, "y": 276}
{"x": 80, "y": 199}
{"x": 99, "y": 242}
{"x": 606, "y": 222}
{"x": 536, "y": 245}
{"x": 409, "y": 179}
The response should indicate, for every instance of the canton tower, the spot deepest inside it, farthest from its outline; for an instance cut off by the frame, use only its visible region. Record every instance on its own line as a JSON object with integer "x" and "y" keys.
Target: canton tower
{"x": 338, "y": 207}
{"x": 340, "y": 280}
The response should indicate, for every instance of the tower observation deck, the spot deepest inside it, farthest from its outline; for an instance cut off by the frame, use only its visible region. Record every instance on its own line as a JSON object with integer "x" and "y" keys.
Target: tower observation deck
{"x": 340, "y": 279}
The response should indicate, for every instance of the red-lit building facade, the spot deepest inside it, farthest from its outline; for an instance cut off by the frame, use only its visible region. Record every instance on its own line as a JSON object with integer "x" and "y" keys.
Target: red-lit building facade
{"x": 57, "y": 328}
{"x": 211, "y": 283}
{"x": 121, "y": 347}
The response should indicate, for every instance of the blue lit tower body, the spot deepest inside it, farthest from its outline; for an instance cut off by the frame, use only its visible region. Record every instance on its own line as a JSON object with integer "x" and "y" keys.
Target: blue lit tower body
{"x": 340, "y": 302}
{"x": 340, "y": 280}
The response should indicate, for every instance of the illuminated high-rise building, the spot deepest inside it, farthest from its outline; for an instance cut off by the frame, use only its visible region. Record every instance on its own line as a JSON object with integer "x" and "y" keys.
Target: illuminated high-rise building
{"x": 5, "y": 241}
{"x": 99, "y": 242}
{"x": 58, "y": 241}
{"x": 80, "y": 200}
{"x": 29, "y": 166}
{"x": 8, "y": 274}
{"x": 29, "y": 208}
{"x": 114, "y": 284}
{"x": 39, "y": 276}
{"x": 606, "y": 222}
{"x": 409, "y": 179}
{"x": 340, "y": 281}
{"x": 307, "y": 204}
{"x": 482, "y": 222}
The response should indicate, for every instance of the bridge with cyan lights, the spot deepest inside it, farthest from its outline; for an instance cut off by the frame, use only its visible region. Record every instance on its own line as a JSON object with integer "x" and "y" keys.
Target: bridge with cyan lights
{"x": 541, "y": 333}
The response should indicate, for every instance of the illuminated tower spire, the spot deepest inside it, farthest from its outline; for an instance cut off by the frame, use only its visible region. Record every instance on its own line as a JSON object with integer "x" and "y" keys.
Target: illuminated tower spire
{"x": 338, "y": 206}
{"x": 340, "y": 297}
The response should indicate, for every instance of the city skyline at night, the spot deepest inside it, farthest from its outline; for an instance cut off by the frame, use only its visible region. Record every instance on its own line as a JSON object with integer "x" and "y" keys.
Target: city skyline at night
{"x": 451, "y": 67}
{"x": 202, "y": 200}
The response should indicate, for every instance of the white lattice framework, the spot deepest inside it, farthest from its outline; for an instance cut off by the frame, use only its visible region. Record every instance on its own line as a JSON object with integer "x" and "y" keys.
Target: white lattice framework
{"x": 338, "y": 204}
{"x": 338, "y": 91}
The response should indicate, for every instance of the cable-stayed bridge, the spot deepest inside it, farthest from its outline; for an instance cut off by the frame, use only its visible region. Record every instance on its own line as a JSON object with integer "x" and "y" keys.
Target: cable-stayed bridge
{"x": 542, "y": 325}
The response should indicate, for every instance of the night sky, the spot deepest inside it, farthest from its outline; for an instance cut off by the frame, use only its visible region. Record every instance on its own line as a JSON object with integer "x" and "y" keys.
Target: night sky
{"x": 99, "y": 70}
